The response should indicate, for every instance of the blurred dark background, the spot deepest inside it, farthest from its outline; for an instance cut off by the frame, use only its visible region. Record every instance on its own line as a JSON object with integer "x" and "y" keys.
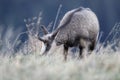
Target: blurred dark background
{"x": 13, "y": 12}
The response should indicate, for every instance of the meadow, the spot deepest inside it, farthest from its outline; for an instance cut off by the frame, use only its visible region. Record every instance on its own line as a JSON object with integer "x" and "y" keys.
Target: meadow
{"x": 104, "y": 65}
{"x": 27, "y": 64}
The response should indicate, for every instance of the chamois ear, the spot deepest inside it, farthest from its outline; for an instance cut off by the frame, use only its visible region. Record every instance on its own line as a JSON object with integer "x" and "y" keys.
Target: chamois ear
{"x": 54, "y": 34}
{"x": 44, "y": 29}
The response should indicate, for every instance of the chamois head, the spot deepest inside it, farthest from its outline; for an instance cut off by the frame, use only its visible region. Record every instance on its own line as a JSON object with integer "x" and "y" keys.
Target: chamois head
{"x": 47, "y": 39}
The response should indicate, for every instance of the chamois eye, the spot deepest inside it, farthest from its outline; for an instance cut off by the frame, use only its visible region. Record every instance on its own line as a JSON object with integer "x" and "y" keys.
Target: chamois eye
{"x": 49, "y": 37}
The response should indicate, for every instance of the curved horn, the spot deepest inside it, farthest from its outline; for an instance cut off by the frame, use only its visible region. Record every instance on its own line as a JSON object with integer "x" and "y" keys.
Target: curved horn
{"x": 40, "y": 38}
{"x": 44, "y": 29}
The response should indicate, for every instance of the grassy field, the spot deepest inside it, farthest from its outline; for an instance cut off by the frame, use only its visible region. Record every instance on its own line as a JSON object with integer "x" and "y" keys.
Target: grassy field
{"x": 104, "y": 65}
{"x": 27, "y": 64}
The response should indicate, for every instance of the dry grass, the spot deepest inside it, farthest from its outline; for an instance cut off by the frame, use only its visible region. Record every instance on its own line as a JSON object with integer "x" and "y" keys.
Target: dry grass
{"x": 33, "y": 67}
{"x": 101, "y": 65}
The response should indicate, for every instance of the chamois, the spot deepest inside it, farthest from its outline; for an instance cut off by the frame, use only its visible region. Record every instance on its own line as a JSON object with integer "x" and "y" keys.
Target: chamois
{"x": 78, "y": 28}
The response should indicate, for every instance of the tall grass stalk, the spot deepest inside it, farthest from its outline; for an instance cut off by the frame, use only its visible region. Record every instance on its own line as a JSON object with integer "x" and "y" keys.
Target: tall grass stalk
{"x": 57, "y": 16}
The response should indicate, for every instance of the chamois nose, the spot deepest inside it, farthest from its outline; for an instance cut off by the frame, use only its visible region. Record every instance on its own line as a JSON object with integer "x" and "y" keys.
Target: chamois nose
{"x": 42, "y": 48}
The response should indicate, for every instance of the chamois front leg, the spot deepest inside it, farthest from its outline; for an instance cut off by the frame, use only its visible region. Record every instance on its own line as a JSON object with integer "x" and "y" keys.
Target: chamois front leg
{"x": 65, "y": 53}
{"x": 82, "y": 48}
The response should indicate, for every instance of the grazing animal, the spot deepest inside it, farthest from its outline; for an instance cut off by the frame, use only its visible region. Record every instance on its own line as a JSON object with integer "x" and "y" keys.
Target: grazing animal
{"x": 78, "y": 28}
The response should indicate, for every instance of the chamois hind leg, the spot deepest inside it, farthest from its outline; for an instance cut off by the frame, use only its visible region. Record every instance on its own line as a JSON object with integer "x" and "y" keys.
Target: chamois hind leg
{"x": 91, "y": 47}
{"x": 65, "y": 53}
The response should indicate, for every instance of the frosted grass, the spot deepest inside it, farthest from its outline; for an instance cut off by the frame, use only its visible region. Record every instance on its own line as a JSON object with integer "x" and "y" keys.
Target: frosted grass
{"x": 52, "y": 67}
